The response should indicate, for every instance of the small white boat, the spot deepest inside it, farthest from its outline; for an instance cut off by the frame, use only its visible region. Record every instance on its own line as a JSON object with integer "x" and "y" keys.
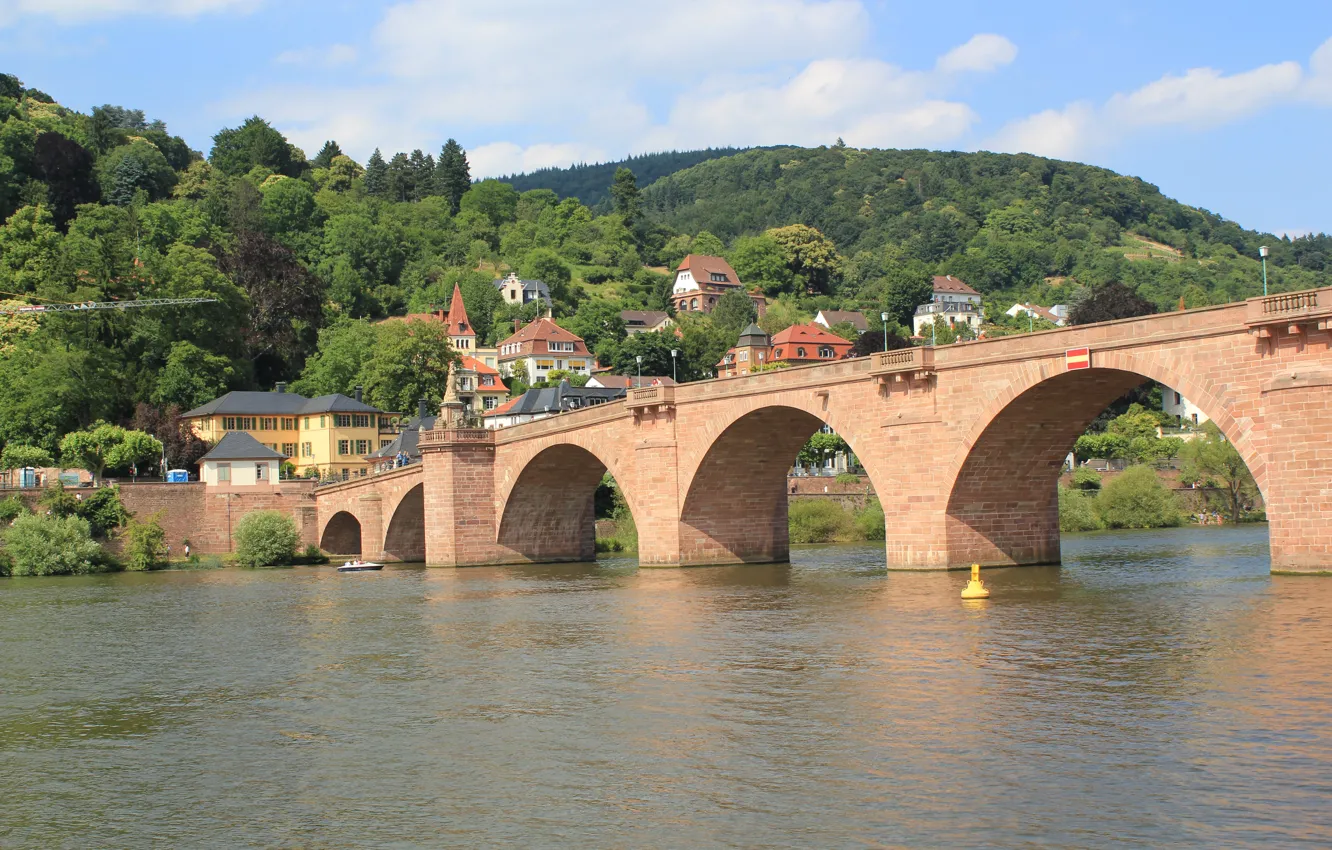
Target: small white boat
{"x": 359, "y": 567}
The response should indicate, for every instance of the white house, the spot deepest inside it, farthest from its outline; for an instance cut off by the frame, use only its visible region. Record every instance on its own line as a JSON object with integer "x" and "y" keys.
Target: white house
{"x": 952, "y": 300}
{"x": 1176, "y": 405}
{"x": 1056, "y": 315}
{"x": 239, "y": 460}
{"x": 828, "y": 318}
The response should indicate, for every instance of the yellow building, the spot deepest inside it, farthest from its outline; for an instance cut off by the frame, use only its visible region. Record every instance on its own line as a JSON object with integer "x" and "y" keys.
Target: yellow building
{"x": 328, "y": 436}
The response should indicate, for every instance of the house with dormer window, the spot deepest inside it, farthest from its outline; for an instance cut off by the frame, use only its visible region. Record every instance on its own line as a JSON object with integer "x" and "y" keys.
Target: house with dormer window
{"x": 701, "y": 281}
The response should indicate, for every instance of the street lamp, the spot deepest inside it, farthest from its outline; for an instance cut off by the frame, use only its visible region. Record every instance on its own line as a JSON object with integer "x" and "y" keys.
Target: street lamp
{"x": 674, "y": 352}
{"x": 883, "y": 317}
{"x": 1262, "y": 252}
{"x": 639, "y": 359}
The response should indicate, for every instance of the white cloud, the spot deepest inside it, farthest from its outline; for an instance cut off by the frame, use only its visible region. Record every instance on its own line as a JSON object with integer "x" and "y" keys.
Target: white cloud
{"x": 1198, "y": 99}
{"x": 984, "y": 52}
{"x": 318, "y": 57}
{"x": 610, "y": 78}
{"x": 83, "y": 11}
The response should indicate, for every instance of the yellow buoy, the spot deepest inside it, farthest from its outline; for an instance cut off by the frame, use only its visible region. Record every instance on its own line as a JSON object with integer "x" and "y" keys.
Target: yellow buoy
{"x": 975, "y": 588}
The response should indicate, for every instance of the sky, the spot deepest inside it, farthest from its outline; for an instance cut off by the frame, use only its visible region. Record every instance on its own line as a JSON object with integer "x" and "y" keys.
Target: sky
{"x": 1223, "y": 105}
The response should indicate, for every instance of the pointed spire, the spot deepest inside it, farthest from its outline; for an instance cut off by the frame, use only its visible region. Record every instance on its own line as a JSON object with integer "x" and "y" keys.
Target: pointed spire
{"x": 458, "y": 323}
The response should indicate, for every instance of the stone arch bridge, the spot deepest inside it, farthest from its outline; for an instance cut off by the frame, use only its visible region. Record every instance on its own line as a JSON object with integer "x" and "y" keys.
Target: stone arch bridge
{"x": 964, "y": 445}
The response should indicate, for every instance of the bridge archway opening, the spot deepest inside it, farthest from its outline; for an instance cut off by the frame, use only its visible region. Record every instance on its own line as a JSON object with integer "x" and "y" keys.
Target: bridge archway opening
{"x": 405, "y": 538}
{"x": 1004, "y": 504}
{"x": 736, "y": 508}
{"x": 342, "y": 535}
{"x": 550, "y": 514}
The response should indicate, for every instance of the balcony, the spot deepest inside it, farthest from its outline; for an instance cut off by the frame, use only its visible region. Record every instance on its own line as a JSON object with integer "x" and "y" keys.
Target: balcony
{"x": 902, "y": 364}
{"x": 1293, "y": 309}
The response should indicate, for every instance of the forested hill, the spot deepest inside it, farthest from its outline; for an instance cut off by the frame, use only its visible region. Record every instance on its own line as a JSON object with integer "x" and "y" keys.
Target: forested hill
{"x": 591, "y": 183}
{"x": 1004, "y": 223}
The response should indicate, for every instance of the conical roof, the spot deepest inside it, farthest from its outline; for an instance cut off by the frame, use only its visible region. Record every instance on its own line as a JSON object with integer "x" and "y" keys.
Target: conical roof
{"x": 458, "y": 323}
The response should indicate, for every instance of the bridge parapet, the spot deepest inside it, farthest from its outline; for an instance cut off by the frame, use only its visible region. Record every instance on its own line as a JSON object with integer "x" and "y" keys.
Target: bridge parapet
{"x": 439, "y": 437}
{"x": 1294, "y": 313}
{"x": 902, "y": 364}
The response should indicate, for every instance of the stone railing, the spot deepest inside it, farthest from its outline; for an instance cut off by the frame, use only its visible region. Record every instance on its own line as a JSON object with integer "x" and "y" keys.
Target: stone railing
{"x": 1290, "y": 307}
{"x": 445, "y": 436}
{"x": 902, "y": 360}
{"x": 649, "y": 396}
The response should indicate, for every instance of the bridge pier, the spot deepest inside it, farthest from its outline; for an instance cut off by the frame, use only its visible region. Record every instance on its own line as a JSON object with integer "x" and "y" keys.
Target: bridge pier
{"x": 458, "y": 474}
{"x": 371, "y": 513}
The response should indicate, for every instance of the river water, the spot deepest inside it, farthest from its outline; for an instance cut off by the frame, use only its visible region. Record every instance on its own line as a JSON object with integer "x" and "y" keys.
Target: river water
{"x": 1158, "y": 689}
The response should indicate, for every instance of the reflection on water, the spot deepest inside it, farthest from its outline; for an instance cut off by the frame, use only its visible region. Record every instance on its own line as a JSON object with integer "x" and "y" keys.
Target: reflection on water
{"x": 1159, "y": 688}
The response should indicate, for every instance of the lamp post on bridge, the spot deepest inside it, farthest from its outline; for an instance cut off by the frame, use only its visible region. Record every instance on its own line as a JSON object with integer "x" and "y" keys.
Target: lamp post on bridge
{"x": 1262, "y": 252}
{"x": 674, "y": 352}
{"x": 639, "y": 359}
{"x": 883, "y": 317}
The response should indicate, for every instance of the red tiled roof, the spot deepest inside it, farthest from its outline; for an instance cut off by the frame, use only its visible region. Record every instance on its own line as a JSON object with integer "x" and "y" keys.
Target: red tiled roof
{"x": 703, "y": 267}
{"x": 948, "y": 283}
{"x": 468, "y": 362}
{"x": 813, "y": 336}
{"x": 457, "y": 319}
{"x": 503, "y": 408}
{"x": 538, "y": 334}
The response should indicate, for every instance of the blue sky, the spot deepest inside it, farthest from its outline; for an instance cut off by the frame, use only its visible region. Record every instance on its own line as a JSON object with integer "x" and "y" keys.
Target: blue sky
{"x": 1226, "y": 106}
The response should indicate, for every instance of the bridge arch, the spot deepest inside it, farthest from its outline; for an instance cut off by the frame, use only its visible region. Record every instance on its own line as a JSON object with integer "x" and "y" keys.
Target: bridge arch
{"x": 1003, "y": 505}
{"x": 734, "y": 506}
{"x": 405, "y": 539}
{"x": 548, "y": 505}
{"x": 341, "y": 534}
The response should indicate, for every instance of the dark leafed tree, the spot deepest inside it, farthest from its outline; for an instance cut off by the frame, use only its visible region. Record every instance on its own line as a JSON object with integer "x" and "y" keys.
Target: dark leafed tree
{"x": 624, "y": 194}
{"x": 734, "y": 311}
{"x": 179, "y": 442}
{"x": 453, "y": 176}
{"x": 376, "y": 175}
{"x": 286, "y": 304}
{"x": 236, "y": 150}
{"x": 324, "y": 158}
{"x": 872, "y": 340}
{"x": 400, "y": 177}
{"x": 1108, "y": 302}
{"x": 66, "y": 168}
{"x": 422, "y": 166}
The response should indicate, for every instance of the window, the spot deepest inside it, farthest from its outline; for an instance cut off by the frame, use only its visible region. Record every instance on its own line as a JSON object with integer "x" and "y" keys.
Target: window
{"x": 363, "y": 447}
{"x": 800, "y": 352}
{"x": 462, "y": 342}
{"x": 268, "y": 423}
{"x": 717, "y": 277}
{"x": 684, "y": 305}
{"x": 289, "y": 424}
{"x": 489, "y": 402}
{"x": 223, "y": 472}
{"x": 260, "y": 472}
{"x": 744, "y": 357}
{"x": 545, "y": 364}
{"x": 384, "y": 444}
{"x": 693, "y": 304}
{"x": 777, "y": 353}
{"x": 561, "y": 346}
{"x": 487, "y": 380}
{"x": 342, "y": 420}
{"x": 826, "y": 351}
{"x": 345, "y": 475}
{"x": 289, "y": 449}
{"x": 1179, "y": 399}
{"x": 307, "y": 449}
{"x": 307, "y": 423}
{"x": 344, "y": 447}
{"x": 361, "y": 420}
{"x": 322, "y": 423}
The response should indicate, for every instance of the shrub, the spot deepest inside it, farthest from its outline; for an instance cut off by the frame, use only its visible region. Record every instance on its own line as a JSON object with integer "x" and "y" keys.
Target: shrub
{"x": 11, "y": 509}
{"x": 312, "y": 554}
{"x": 103, "y": 510}
{"x": 1137, "y": 499}
{"x": 847, "y": 478}
{"x": 58, "y": 502}
{"x": 145, "y": 543}
{"x": 869, "y": 522}
{"x": 1086, "y": 479}
{"x": 40, "y": 545}
{"x": 817, "y": 521}
{"x": 266, "y": 539}
{"x": 1077, "y": 511}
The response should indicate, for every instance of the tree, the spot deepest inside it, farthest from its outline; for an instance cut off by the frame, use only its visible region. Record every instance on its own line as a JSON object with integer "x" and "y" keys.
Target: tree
{"x": 104, "y": 447}
{"x": 452, "y": 174}
{"x": 41, "y": 545}
{"x": 624, "y": 195}
{"x": 335, "y": 367}
{"x": 810, "y": 256}
{"x": 1108, "y": 302}
{"x": 1214, "y": 460}
{"x": 401, "y": 178}
{"x": 545, "y": 265}
{"x": 761, "y": 261}
{"x": 138, "y": 166}
{"x": 906, "y": 287}
{"x": 1136, "y": 422}
{"x": 654, "y": 348}
{"x": 1137, "y": 499}
{"x": 820, "y": 448}
{"x": 191, "y": 377}
{"x": 266, "y": 539}
{"x": 236, "y": 151}
{"x": 144, "y": 543}
{"x": 410, "y": 361}
{"x": 376, "y": 175}
{"x": 782, "y": 313}
{"x": 286, "y": 302}
{"x": 495, "y": 200}
{"x": 734, "y": 312}
{"x": 599, "y": 323}
{"x": 181, "y": 447}
{"x": 343, "y": 172}
{"x": 66, "y": 168}
{"x": 326, "y": 154}
{"x": 872, "y": 340}
{"x": 19, "y": 456}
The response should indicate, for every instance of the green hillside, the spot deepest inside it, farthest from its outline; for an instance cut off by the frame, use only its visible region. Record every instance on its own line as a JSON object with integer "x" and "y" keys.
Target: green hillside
{"x": 1019, "y": 225}
{"x": 305, "y": 256}
{"x": 591, "y": 183}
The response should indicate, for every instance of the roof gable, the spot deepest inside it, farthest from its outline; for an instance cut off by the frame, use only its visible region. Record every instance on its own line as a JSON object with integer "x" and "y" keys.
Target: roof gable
{"x": 948, "y": 283}
{"x": 457, "y": 319}
{"x": 238, "y": 445}
{"x": 809, "y": 335}
{"x": 703, "y": 267}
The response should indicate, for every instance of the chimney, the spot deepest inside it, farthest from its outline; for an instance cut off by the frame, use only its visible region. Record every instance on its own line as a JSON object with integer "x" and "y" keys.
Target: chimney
{"x": 517, "y": 325}
{"x": 423, "y": 408}
{"x": 356, "y": 393}
{"x": 281, "y": 387}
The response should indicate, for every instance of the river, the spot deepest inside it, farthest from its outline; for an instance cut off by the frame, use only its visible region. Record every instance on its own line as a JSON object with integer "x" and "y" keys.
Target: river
{"x": 1158, "y": 689}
